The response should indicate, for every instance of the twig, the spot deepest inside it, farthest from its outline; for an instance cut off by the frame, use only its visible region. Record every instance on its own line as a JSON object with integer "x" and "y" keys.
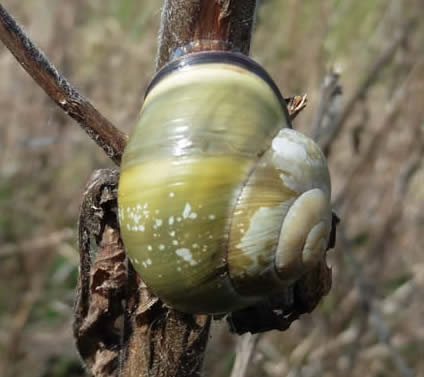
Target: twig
{"x": 387, "y": 122}
{"x": 331, "y": 133}
{"x": 295, "y": 105}
{"x": 245, "y": 347}
{"x": 33, "y": 60}
{"x": 328, "y": 107}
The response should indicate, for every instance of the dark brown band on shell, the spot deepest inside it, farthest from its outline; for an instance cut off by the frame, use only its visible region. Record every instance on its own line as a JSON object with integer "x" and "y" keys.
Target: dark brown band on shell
{"x": 224, "y": 57}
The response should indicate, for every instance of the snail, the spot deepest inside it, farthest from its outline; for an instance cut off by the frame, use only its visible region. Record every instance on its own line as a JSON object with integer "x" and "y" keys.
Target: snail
{"x": 221, "y": 203}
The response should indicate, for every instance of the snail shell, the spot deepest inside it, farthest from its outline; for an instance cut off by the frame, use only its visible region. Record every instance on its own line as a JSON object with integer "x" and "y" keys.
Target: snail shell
{"x": 221, "y": 203}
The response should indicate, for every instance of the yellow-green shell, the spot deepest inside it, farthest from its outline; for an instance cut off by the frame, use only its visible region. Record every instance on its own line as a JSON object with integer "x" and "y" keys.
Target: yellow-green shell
{"x": 195, "y": 165}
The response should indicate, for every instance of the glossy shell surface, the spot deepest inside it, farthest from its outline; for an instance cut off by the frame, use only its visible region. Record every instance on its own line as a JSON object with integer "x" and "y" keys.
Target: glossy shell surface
{"x": 207, "y": 179}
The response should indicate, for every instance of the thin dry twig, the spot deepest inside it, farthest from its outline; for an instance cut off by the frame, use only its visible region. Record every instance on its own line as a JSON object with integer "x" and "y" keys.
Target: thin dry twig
{"x": 328, "y": 135}
{"x": 296, "y": 104}
{"x": 33, "y": 60}
{"x": 387, "y": 123}
{"x": 246, "y": 346}
{"x": 329, "y": 108}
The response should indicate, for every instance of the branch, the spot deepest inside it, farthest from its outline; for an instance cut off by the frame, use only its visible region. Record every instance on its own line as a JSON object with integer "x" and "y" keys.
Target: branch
{"x": 205, "y": 25}
{"x": 33, "y": 60}
{"x": 295, "y": 105}
{"x": 246, "y": 346}
{"x": 329, "y": 106}
{"x": 328, "y": 135}
{"x": 387, "y": 123}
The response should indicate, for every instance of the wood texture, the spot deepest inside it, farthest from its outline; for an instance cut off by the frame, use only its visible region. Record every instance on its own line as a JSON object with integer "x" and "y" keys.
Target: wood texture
{"x": 205, "y": 25}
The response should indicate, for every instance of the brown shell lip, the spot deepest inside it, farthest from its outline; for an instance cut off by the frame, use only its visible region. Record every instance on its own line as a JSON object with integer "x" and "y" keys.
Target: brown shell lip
{"x": 226, "y": 57}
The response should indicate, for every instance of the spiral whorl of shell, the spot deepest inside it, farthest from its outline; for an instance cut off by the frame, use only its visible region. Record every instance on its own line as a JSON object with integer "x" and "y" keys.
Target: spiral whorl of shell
{"x": 282, "y": 220}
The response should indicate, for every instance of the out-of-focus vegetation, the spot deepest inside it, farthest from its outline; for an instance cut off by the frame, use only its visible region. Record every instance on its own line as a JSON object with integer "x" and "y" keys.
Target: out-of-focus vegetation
{"x": 371, "y": 324}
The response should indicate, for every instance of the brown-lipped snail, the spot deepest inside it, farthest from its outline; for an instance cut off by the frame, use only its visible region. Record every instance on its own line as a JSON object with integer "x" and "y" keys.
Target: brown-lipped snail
{"x": 221, "y": 203}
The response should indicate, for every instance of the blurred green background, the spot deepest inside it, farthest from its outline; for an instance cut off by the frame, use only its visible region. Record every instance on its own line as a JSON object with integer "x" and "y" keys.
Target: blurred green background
{"x": 371, "y": 324}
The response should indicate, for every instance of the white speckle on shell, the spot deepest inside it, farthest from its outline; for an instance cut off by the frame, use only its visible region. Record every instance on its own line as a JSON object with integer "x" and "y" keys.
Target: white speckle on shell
{"x": 171, "y": 194}
{"x": 149, "y": 247}
{"x": 171, "y": 220}
{"x": 161, "y": 247}
{"x": 186, "y": 255}
{"x": 186, "y": 211}
{"x": 136, "y": 218}
{"x": 211, "y": 216}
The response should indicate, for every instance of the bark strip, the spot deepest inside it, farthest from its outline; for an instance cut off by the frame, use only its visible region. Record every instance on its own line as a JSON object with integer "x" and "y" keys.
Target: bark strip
{"x": 205, "y": 25}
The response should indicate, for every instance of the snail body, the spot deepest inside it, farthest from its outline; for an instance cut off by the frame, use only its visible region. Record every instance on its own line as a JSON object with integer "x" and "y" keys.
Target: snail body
{"x": 221, "y": 203}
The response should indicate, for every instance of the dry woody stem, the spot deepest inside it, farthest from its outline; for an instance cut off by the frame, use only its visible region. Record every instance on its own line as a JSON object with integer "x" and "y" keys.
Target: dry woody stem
{"x": 326, "y": 137}
{"x": 33, "y": 60}
{"x": 207, "y": 25}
